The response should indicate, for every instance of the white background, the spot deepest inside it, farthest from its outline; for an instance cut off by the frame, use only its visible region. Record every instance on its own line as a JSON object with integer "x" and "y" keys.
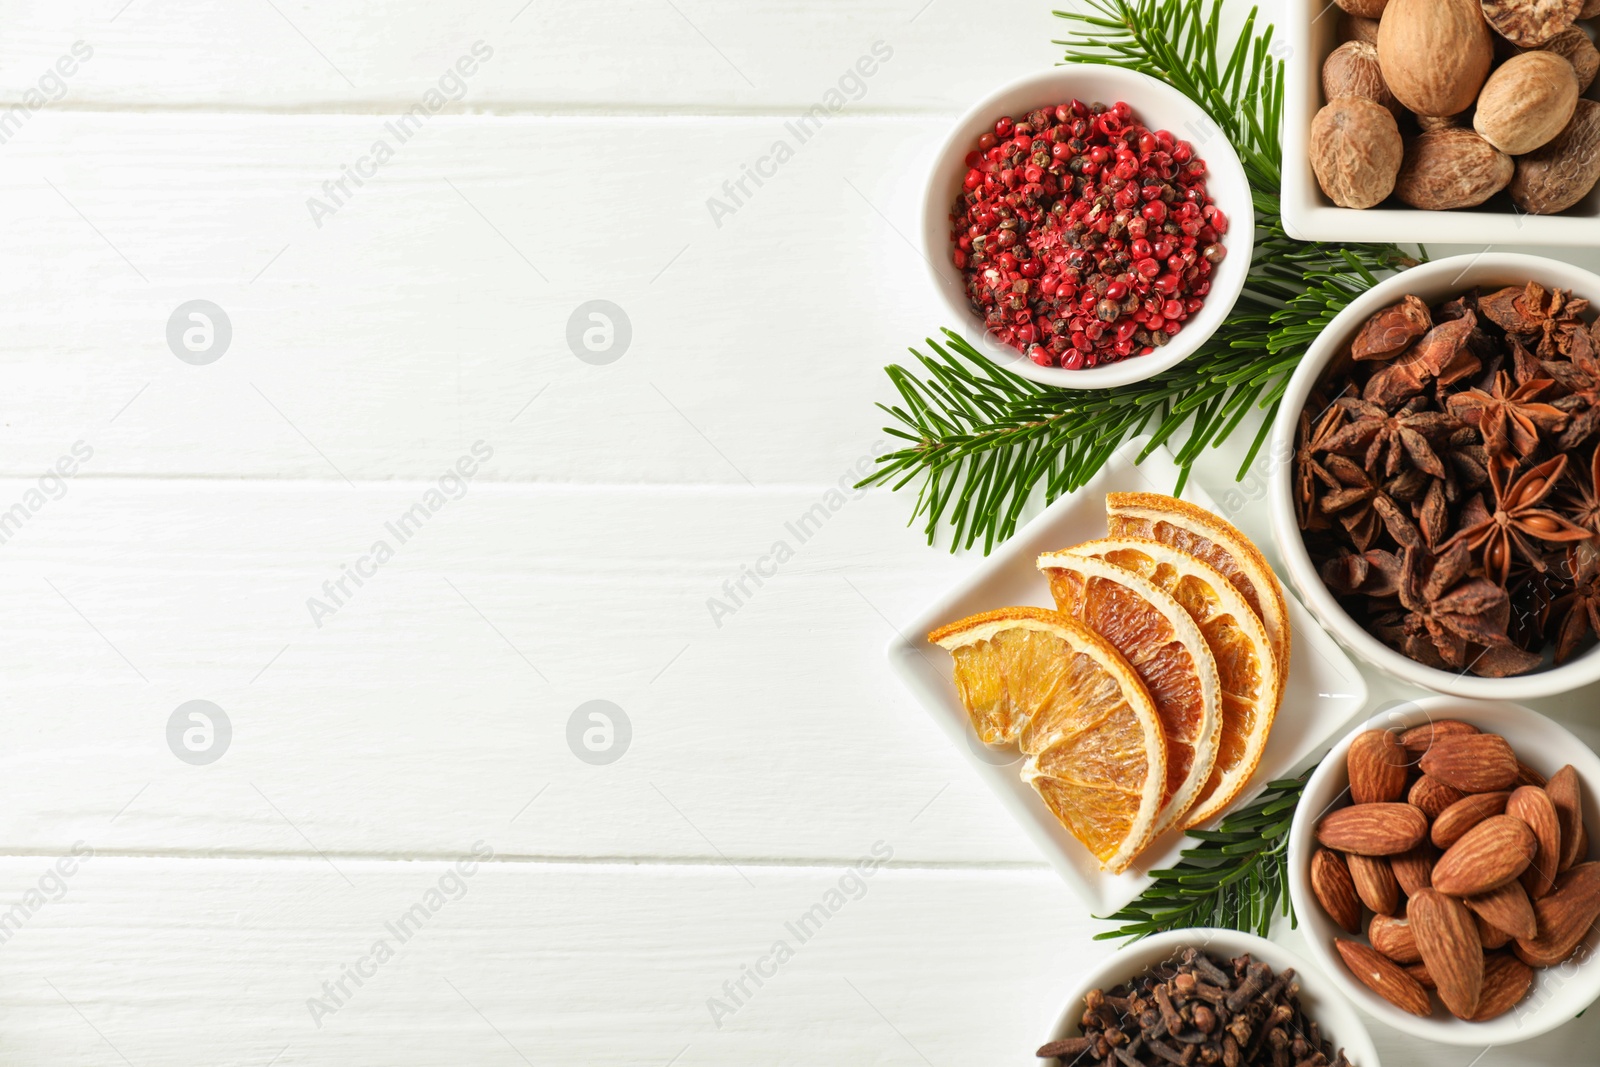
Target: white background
{"x": 430, "y": 711}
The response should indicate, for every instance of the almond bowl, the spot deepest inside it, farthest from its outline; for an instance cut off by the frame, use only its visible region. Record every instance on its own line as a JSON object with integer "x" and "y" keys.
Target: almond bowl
{"x": 1159, "y": 107}
{"x": 1321, "y": 998}
{"x": 1558, "y": 993}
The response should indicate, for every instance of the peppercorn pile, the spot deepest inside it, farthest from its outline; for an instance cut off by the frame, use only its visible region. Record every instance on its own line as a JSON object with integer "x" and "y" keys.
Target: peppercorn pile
{"x": 1084, "y": 237}
{"x": 1448, "y": 484}
{"x": 1194, "y": 1012}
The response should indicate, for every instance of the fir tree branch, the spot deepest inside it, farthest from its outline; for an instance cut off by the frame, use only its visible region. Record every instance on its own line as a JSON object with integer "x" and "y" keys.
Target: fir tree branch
{"x": 1236, "y": 877}
{"x": 983, "y": 441}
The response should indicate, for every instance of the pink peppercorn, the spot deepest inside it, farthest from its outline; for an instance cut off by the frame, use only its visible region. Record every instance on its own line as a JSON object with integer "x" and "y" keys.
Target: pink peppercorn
{"x": 1084, "y": 237}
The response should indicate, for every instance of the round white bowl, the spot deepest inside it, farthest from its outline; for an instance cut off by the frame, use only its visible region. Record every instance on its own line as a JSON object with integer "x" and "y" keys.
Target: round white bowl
{"x": 1432, "y": 282}
{"x": 1159, "y": 107}
{"x": 1559, "y": 993}
{"x": 1320, "y": 998}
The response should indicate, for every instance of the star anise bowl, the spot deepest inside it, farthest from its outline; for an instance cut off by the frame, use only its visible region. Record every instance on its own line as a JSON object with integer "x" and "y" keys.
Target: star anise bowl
{"x": 1434, "y": 283}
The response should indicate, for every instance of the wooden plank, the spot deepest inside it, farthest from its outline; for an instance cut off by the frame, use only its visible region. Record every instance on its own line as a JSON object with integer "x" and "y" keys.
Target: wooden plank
{"x": 433, "y": 701}
{"x": 433, "y": 307}
{"x": 633, "y": 55}
{"x": 214, "y": 962}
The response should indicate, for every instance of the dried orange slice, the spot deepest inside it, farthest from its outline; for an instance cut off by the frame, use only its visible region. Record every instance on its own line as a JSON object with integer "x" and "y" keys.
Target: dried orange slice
{"x": 1096, "y": 754}
{"x": 1166, "y": 649}
{"x": 1252, "y": 687}
{"x": 1213, "y": 540}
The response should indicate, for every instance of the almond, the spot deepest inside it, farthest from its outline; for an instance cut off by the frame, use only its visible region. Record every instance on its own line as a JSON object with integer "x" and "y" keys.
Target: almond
{"x": 1413, "y": 868}
{"x": 1447, "y": 937}
{"x": 1507, "y": 909}
{"x": 1564, "y": 917}
{"x": 1526, "y": 775}
{"x": 1533, "y": 806}
{"x": 1486, "y": 857}
{"x": 1464, "y": 814}
{"x": 1384, "y": 977}
{"x": 1375, "y": 883}
{"x": 1473, "y": 763}
{"x": 1490, "y": 936}
{"x": 1419, "y": 971}
{"x": 1393, "y": 938}
{"x": 1431, "y": 796}
{"x": 1419, "y": 739}
{"x": 1377, "y": 764}
{"x": 1506, "y": 981}
{"x": 1566, "y": 795}
{"x": 1335, "y": 890}
{"x": 1373, "y": 829}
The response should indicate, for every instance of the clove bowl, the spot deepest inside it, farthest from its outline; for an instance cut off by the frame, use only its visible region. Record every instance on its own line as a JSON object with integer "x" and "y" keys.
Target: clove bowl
{"x": 1320, "y": 997}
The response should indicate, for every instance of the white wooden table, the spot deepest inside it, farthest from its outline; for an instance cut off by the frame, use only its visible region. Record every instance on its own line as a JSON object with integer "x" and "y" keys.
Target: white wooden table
{"x": 383, "y": 731}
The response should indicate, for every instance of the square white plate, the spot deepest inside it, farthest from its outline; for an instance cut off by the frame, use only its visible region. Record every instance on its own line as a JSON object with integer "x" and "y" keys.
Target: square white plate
{"x": 1324, "y": 692}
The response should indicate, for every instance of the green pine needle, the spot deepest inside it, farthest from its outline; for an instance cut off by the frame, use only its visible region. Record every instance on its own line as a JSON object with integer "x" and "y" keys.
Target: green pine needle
{"x": 980, "y": 441}
{"x": 1234, "y": 878}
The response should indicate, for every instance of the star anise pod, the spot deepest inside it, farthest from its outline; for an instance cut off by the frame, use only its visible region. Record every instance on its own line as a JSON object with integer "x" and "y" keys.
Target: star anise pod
{"x": 1564, "y": 328}
{"x": 1466, "y": 464}
{"x": 1502, "y": 661}
{"x": 1578, "y": 612}
{"x": 1389, "y": 440}
{"x": 1579, "y": 375}
{"x": 1373, "y": 573}
{"x": 1433, "y": 515}
{"x": 1441, "y": 354}
{"x": 1364, "y": 508}
{"x": 1448, "y": 607}
{"x": 1523, "y": 309}
{"x": 1517, "y": 524}
{"x": 1391, "y": 331}
{"x": 1311, "y": 439}
{"x": 1509, "y": 417}
{"x": 1580, "y": 500}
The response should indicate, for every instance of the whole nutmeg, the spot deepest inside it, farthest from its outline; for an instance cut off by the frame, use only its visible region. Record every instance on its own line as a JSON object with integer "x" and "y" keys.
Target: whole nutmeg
{"x": 1526, "y": 101}
{"x": 1356, "y": 28}
{"x": 1451, "y": 168}
{"x": 1590, "y": 9}
{"x": 1530, "y": 23}
{"x": 1367, "y": 9}
{"x": 1560, "y": 174}
{"x": 1575, "y": 47}
{"x": 1355, "y": 151}
{"x": 1439, "y": 122}
{"x": 1352, "y": 70}
{"x": 1435, "y": 54}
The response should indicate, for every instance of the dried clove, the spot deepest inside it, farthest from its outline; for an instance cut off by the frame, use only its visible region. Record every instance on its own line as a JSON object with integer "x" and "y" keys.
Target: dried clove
{"x": 1193, "y": 1011}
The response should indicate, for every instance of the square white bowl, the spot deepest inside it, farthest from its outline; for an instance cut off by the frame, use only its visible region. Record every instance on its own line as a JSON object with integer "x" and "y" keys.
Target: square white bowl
{"x": 1308, "y": 214}
{"x": 1324, "y": 691}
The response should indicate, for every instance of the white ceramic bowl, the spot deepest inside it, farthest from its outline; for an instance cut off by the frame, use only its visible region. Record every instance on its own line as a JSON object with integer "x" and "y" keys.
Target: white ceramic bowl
{"x": 1308, "y": 214}
{"x": 1432, "y": 282}
{"x": 1320, "y": 997}
{"x": 1559, "y": 993}
{"x": 1159, "y": 107}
